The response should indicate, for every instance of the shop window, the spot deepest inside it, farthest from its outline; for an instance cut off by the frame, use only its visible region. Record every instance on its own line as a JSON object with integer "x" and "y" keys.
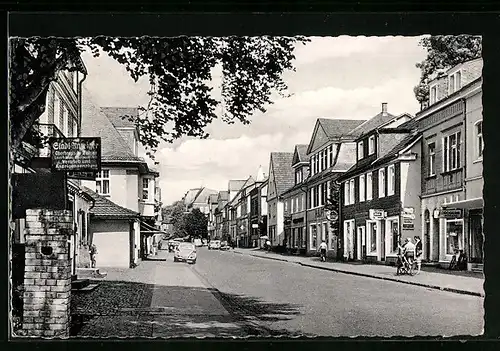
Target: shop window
{"x": 372, "y": 236}
{"x": 454, "y": 235}
{"x": 314, "y": 236}
{"x": 102, "y": 182}
{"x": 393, "y": 227}
{"x": 302, "y": 238}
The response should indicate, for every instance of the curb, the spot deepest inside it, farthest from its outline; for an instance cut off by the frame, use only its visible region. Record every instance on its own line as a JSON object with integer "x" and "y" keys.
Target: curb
{"x": 368, "y": 275}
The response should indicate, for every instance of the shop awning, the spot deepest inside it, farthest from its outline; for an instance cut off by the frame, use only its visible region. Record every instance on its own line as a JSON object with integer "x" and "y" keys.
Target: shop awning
{"x": 147, "y": 229}
{"x": 466, "y": 204}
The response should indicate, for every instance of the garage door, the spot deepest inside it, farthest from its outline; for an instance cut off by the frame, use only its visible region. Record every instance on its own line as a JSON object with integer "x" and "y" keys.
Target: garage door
{"x": 112, "y": 249}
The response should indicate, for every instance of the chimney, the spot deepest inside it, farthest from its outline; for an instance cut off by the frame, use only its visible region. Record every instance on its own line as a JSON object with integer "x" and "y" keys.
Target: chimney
{"x": 384, "y": 109}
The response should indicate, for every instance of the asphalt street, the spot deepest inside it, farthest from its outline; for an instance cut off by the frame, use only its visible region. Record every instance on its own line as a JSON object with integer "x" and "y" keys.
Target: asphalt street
{"x": 290, "y": 299}
{"x": 226, "y": 294}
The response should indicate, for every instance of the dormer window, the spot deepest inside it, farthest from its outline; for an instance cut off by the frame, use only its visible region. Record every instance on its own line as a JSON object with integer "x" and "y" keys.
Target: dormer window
{"x": 298, "y": 176}
{"x": 330, "y": 152}
{"x": 454, "y": 82}
{"x": 371, "y": 145}
{"x": 360, "y": 150}
{"x": 433, "y": 94}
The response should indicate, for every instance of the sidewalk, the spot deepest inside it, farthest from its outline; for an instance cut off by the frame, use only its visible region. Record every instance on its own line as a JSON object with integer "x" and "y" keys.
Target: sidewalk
{"x": 447, "y": 282}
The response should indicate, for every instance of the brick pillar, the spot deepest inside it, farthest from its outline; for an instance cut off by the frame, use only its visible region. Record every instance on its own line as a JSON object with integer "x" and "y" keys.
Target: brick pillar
{"x": 47, "y": 277}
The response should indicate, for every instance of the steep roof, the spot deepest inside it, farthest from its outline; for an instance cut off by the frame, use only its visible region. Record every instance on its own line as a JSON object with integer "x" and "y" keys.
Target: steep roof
{"x": 203, "y": 194}
{"x": 281, "y": 163}
{"x": 190, "y": 196}
{"x": 335, "y": 128}
{"x": 212, "y": 199}
{"x": 223, "y": 195}
{"x": 301, "y": 150}
{"x": 373, "y": 123}
{"x": 235, "y": 185}
{"x": 120, "y": 116}
{"x": 106, "y": 209}
{"x": 96, "y": 124}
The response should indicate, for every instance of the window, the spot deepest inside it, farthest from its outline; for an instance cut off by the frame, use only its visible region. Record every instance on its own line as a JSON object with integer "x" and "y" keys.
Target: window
{"x": 360, "y": 150}
{"x": 393, "y": 228}
{"x": 452, "y": 84}
{"x": 458, "y": 80}
{"x": 63, "y": 120}
{"x": 323, "y": 160}
{"x": 102, "y": 182}
{"x": 286, "y": 205}
{"x": 316, "y": 158}
{"x": 145, "y": 188}
{"x": 432, "y": 159}
{"x": 311, "y": 165}
{"x": 451, "y": 152}
{"x": 433, "y": 94}
{"x": 346, "y": 193}
{"x": 71, "y": 125}
{"x": 325, "y": 232}
{"x": 479, "y": 139}
{"x": 351, "y": 192}
{"x": 372, "y": 237}
{"x": 391, "y": 180}
{"x": 330, "y": 152}
{"x": 298, "y": 176}
{"x": 324, "y": 193}
{"x": 369, "y": 186}
{"x": 314, "y": 235}
{"x": 362, "y": 190}
{"x": 311, "y": 198}
{"x": 316, "y": 195}
{"x": 381, "y": 182}
{"x": 454, "y": 235}
{"x": 371, "y": 145}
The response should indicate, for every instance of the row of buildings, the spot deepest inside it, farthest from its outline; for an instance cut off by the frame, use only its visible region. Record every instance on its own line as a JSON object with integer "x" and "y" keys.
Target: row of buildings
{"x": 119, "y": 208}
{"x": 397, "y": 176}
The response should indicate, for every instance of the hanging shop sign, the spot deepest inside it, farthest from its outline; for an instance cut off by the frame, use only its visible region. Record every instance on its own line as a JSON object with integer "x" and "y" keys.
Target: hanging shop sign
{"x": 408, "y": 224}
{"x": 449, "y": 213}
{"x": 75, "y": 154}
{"x": 377, "y": 214}
{"x": 82, "y": 175}
{"x": 408, "y": 212}
{"x": 255, "y": 226}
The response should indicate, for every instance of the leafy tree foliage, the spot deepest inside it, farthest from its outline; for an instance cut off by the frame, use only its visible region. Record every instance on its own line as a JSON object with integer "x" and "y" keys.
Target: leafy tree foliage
{"x": 443, "y": 52}
{"x": 332, "y": 207}
{"x": 195, "y": 224}
{"x": 178, "y": 68}
{"x": 176, "y": 213}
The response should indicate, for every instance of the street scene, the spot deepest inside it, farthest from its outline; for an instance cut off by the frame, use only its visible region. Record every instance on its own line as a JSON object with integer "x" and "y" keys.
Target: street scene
{"x": 246, "y": 187}
{"x": 272, "y": 298}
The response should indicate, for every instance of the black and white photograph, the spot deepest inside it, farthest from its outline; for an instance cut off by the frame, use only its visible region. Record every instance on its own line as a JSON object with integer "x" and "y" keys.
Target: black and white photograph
{"x": 246, "y": 186}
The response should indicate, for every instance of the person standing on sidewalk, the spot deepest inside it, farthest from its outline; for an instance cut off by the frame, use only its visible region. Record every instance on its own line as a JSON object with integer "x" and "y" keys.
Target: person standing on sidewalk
{"x": 418, "y": 253}
{"x": 93, "y": 254}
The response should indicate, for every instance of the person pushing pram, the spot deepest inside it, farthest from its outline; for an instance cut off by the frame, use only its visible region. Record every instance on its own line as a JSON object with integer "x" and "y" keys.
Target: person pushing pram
{"x": 406, "y": 257}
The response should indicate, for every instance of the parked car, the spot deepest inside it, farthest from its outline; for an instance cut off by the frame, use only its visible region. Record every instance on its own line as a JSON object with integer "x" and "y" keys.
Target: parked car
{"x": 214, "y": 245}
{"x": 185, "y": 252}
{"x": 204, "y": 242}
{"x": 224, "y": 246}
{"x": 197, "y": 242}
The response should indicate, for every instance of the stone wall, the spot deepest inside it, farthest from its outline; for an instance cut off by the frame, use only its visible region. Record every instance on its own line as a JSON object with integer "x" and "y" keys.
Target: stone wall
{"x": 47, "y": 277}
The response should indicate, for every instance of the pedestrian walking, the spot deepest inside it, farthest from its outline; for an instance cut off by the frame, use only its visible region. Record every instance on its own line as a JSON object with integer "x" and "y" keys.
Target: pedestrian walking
{"x": 418, "y": 253}
{"x": 93, "y": 254}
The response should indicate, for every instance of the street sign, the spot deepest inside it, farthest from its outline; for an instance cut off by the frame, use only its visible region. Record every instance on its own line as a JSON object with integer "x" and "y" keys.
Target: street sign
{"x": 76, "y": 154}
{"x": 451, "y": 213}
{"x": 376, "y": 214}
{"x": 82, "y": 175}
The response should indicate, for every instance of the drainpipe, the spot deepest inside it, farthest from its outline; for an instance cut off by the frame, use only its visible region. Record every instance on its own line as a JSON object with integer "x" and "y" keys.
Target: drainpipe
{"x": 466, "y": 211}
{"x": 80, "y": 85}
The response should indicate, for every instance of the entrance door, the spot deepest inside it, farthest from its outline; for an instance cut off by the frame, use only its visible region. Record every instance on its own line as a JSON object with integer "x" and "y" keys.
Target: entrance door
{"x": 476, "y": 237}
{"x": 382, "y": 240}
{"x": 359, "y": 243}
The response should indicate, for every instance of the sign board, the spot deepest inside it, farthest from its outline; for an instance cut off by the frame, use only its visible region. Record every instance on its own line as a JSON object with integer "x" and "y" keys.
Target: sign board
{"x": 255, "y": 226}
{"x": 38, "y": 190}
{"x": 408, "y": 224}
{"x": 377, "y": 214}
{"x": 82, "y": 175}
{"x": 76, "y": 154}
{"x": 436, "y": 214}
{"x": 451, "y": 213}
{"x": 408, "y": 212}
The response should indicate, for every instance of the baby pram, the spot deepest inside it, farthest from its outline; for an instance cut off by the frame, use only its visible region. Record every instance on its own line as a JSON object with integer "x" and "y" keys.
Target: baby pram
{"x": 405, "y": 265}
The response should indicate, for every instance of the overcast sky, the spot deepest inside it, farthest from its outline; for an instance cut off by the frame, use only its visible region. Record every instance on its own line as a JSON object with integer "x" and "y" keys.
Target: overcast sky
{"x": 336, "y": 77}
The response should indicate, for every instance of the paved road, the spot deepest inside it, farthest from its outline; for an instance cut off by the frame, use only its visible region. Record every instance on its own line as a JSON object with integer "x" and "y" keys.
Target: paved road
{"x": 289, "y": 298}
{"x": 226, "y": 294}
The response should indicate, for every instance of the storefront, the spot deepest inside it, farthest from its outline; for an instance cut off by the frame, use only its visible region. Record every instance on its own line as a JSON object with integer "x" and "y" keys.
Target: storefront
{"x": 465, "y": 231}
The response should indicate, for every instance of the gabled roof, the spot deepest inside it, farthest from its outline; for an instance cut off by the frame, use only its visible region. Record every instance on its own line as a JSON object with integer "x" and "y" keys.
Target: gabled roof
{"x": 121, "y": 116}
{"x": 203, "y": 194}
{"x": 96, "y": 124}
{"x": 373, "y": 123}
{"x": 334, "y": 129}
{"x": 300, "y": 154}
{"x": 281, "y": 163}
{"x": 223, "y": 195}
{"x": 212, "y": 199}
{"x": 235, "y": 185}
{"x": 106, "y": 209}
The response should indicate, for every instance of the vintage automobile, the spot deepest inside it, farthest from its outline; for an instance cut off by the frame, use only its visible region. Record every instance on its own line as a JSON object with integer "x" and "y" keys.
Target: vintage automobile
{"x": 224, "y": 246}
{"x": 214, "y": 245}
{"x": 185, "y": 252}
